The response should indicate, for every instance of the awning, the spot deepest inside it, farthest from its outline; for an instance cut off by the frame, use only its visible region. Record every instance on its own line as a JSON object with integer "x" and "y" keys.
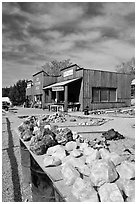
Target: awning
{"x": 61, "y": 83}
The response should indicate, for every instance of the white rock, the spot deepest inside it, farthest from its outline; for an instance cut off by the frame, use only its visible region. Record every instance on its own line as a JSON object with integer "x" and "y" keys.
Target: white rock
{"x": 75, "y": 153}
{"x": 93, "y": 156}
{"x": 83, "y": 146}
{"x": 57, "y": 151}
{"x": 126, "y": 170}
{"x": 102, "y": 171}
{"x": 51, "y": 161}
{"x": 69, "y": 174}
{"x": 109, "y": 192}
{"x": 84, "y": 191}
{"x": 70, "y": 146}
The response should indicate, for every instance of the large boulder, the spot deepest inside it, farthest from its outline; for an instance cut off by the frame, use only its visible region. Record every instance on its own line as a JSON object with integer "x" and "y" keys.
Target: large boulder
{"x": 127, "y": 186}
{"x": 93, "y": 156}
{"x": 84, "y": 169}
{"x": 83, "y": 146}
{"x": 76, "y": 153}
{"x": 126, "y": 170}
{"x": 57, "y": 151}
{"x": 102, "y": 171}
{"x": 70, "y": 174}
{"x": 109, "y": 192}
{"x": 112, "y": 156}
{"x": 70, "y": 146}
{"x": 75, "y": 162}
{"x": 51, "y": 161}
{"x": 84, "y": 191}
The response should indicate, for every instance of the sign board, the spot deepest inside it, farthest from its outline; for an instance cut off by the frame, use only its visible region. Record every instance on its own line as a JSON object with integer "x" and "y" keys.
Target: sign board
{"x": 58, "y": 88}
{"x": 68, "y": 73}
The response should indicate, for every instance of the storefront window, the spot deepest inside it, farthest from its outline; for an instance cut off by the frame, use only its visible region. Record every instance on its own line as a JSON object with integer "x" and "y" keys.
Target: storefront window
{"x": 104, "y": 94}
{"x": 112, "y": 94}
{"x": 96, "y": 95}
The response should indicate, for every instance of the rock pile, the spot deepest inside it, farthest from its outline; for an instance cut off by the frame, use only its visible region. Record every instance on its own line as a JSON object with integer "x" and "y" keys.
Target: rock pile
{"x": 94, "y": 173}
{"x": 56, "y": 118}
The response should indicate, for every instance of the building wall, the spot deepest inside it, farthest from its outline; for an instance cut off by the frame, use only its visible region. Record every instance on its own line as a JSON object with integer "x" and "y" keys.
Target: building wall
{"x": 96, "y": 78}
{"x": 69, "y": 73}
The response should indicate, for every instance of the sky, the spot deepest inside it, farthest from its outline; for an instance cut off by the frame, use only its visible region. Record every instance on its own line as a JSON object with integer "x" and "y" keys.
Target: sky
{"x": 93, "y": 35}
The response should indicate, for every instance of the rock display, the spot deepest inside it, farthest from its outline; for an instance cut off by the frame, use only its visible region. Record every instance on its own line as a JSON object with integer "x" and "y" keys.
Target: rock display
{"x": 70, "y": 146}
{"x": 56, "y": 151}
{"x": 126, "y": 170}
{"x": 102, "y": 172}
{"x": 112, "y": 135}
{"x": 91, "y": 168}
{"x": 51, "y": 161}
{"x": 112, "y": 156}
{"x": 64, "y": 136}
{"x": 95, "y": 155}
{"x": 69, "y": 174}
{"x": 84, "y": 191}
{"x": 109, "y": 192}
{"x": 76, "y": 153}
{"x": 127, "y": 186}
{"x": 56, "y": 118}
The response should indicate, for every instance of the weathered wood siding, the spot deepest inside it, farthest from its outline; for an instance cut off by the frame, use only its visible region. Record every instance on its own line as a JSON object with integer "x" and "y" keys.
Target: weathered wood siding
{"x": 97, "y": 78}
{"x": 47, "y": 80}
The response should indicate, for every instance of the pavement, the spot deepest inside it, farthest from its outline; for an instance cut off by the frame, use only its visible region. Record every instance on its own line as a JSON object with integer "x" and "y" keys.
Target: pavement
{"x": 13, "y": 188}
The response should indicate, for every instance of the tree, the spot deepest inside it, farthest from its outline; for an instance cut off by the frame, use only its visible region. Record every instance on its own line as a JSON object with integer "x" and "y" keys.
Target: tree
{"x": 127, "y": 67}
{"x": 17, "y": 92}
{"x": 53, "y": 68}
{"x": 5, "y": 92}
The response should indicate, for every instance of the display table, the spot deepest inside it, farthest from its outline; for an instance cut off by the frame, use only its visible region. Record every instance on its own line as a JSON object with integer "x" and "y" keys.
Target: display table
{"x": 54, "y": 173}
{"x": 56, "y": 108}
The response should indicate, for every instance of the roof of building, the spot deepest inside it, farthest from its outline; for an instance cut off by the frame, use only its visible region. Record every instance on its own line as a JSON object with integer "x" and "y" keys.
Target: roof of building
{"x": 69, "y": 67}
{"x": 40, "y": 72}
{"x": 62, "y": 83}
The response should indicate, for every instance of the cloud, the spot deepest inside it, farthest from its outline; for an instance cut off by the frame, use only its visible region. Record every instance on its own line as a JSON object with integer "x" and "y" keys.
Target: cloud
{"x": 91, "y": 34}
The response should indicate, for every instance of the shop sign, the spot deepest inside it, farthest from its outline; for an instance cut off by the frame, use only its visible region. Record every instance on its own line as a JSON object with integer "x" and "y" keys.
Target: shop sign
{"x": 68, "y": 73}
{"x": 58, "y": 88}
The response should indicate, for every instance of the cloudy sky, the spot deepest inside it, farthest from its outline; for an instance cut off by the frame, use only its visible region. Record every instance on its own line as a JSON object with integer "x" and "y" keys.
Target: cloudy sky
{"x": 92, "y": 35}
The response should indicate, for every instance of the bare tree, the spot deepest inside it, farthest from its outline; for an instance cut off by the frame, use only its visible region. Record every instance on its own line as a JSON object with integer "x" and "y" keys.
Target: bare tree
{"x": 53, "y": 68}
{"x": 127, "y": 67}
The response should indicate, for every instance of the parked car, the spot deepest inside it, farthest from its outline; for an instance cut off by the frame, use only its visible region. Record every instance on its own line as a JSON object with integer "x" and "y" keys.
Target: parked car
{"x": 5, "y": 105}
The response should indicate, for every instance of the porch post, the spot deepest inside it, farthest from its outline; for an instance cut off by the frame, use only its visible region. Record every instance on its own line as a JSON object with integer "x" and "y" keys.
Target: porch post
{"x": 50, "y": 96}
{"x": 57, "y": 96}
{"x": 66, "y": 99}
{"x": 43, "y": 98}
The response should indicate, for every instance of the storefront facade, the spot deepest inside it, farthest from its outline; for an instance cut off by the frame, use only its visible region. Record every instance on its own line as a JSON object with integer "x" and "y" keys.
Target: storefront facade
{"x": 78, "y": 88}
{"x": 29, "y": 93}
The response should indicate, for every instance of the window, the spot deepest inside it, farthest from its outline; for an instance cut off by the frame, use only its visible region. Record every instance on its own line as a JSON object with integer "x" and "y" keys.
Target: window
{"x": 112, "y": 95}
{"x": 104, "y": 94}
{"x": 96, "y": 95}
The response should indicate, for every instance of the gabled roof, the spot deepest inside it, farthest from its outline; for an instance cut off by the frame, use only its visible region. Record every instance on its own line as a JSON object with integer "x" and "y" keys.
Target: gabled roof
{"x": 40, "y": 72}
{"x": 69, "y": 67}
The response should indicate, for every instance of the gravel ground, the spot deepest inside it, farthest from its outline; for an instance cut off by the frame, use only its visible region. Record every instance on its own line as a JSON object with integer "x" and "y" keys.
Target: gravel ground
{"x": 13, "y": 188}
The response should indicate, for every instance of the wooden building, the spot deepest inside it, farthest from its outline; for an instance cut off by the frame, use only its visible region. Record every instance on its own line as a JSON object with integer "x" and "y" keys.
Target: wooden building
{"x": 78, "y": 88}
{"x": 29, "y": 92}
